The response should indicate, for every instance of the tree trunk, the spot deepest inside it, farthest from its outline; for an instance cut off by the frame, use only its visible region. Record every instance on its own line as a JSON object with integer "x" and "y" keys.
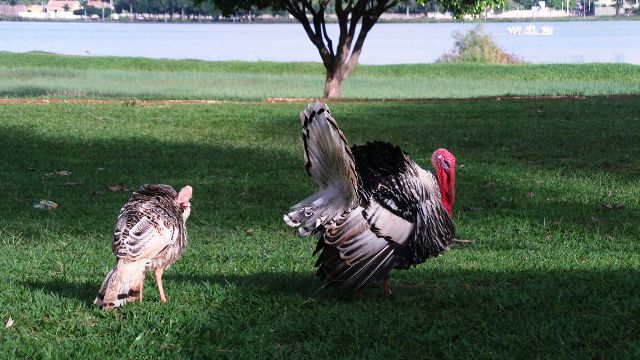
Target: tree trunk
{"x": 333, "y": 85}
{"x": 341, "y": 62}
{"x": 131, "y": 12}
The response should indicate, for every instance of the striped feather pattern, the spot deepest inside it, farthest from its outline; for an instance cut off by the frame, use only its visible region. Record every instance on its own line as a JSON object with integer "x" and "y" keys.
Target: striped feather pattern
{"x": 150, "y": 234}
{"x": 388, "y": 212}
{"x": 329, "y": 161}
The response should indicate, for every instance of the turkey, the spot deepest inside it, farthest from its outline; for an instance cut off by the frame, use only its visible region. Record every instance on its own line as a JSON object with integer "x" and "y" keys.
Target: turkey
{"x": 150, "y": 234}
{"x": 376, "y": 209}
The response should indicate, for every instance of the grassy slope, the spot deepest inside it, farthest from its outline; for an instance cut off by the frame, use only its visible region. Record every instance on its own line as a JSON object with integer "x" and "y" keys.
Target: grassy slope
{"x": 38, "y": 74}
{"x": 549, "y": 275}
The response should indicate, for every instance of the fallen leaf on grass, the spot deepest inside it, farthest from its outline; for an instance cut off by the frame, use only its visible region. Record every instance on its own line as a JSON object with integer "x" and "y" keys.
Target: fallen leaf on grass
{"x": 44, "y": 205}
{"x": 248, "y": 232}
{"x": 71, "y": 183}
{"x": 116, "y": 187}
{"x": 9, "y": 323}
{"x": 614, "y": 206}
{"x": 59, "y": 173}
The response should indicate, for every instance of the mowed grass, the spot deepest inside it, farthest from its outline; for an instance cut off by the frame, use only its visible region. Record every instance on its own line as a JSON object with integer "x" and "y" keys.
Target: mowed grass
{"x": 40, "y": 74}
{"x": 547, "y": 190}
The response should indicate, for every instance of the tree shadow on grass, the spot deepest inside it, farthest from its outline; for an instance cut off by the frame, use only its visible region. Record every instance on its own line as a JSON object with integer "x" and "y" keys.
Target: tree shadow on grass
{"x": 281, "y": 283}
{"x": 233, "y": 186}
{"x": 253, "y": 183}
{"x": 512, "y": 314}
{"x": 505, "y": 155}
{"x": 564, "y": 135}
{"x": 85, "y": 292}
{"x": 284, "y": 284}
{"x": 433, "y": 313}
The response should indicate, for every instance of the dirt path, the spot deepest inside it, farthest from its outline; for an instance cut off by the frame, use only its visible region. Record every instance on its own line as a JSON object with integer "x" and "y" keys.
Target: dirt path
{"x": 43, "y": 101}
{"x": 107, "y": 101}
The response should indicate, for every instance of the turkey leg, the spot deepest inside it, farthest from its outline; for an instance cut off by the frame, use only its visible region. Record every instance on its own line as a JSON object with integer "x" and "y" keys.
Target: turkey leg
{"x": 158, "y": 274}
{"x": 387, "y": 286}
{"x": 141, "y": 286}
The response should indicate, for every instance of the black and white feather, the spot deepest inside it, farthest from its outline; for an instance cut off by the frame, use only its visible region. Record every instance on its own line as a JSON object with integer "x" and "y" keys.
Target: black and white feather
{"x": 150, "y": 234}
{"x": 376, "y": 209}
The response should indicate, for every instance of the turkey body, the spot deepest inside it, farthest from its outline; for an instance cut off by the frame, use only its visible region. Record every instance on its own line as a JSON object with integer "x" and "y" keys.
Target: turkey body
{"x": 376, "y": 210}
{"x": 150, "y": 235}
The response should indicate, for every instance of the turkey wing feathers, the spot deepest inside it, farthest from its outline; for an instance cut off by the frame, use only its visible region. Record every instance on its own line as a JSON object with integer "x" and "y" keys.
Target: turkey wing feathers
{"x": 149, "y": 224}
{"x": 329, "y": 161}
{"x": 385, "y": 174}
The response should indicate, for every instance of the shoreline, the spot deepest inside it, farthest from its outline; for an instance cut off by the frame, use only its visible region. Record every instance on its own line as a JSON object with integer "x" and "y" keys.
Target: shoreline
{"x": 389, "y": 20}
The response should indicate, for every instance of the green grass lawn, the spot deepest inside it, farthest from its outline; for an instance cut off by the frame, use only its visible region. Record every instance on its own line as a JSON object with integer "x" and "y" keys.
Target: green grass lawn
{"x": 39, "y": 74}
{"x": 548, "y": 191}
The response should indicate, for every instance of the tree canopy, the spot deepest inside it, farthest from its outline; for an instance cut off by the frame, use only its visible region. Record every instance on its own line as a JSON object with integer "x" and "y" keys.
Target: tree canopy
{"x": 355, "y": 19}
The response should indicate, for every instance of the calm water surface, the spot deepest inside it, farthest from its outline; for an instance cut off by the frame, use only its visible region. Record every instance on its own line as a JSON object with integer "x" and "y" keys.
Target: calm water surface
{"x": 571, "y": 42}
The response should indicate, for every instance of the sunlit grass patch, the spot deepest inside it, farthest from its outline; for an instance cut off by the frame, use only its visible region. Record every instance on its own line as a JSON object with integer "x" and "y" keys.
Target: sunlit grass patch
{"x": 45, "y": 75}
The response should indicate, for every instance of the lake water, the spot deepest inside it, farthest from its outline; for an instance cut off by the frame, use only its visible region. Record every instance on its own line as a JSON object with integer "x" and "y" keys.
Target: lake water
{"x": 570, "y": 42}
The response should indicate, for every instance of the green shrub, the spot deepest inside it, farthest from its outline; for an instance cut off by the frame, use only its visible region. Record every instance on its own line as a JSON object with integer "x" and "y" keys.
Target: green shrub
{"x": 92, "y": 10}
{"x": 477, "y": 47}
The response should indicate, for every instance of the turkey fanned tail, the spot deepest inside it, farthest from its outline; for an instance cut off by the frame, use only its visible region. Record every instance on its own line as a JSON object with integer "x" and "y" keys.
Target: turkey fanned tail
{"x": 121, "y": 285}
{"x": 329, "y": 161}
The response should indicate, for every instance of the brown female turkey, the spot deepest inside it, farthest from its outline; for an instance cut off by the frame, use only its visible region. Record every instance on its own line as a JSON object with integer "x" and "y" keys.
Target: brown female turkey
{"x": 376, "y": 209}
{"x": 150, "y": 234}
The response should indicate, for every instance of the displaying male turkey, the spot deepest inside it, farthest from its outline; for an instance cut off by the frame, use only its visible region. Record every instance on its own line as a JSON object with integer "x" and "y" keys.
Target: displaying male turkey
{"x": 150, "y": 234}
{"x": 376, "y": 209}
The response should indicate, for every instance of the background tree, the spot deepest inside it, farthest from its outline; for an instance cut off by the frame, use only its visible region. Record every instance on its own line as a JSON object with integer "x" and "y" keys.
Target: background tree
{"x": 127, "y": 5}
{"x": 619, "y": 5}
{"x": 355, "y": 19}
{"x": 84, "y": 4}
{"x": 185, "y": 7}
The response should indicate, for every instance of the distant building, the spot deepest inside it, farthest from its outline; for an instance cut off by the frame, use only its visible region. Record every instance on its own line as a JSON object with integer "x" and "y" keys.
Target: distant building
{"x": 626, "y": 4}
{"x": 12, "y": 10}
{"x": 60, "y": 5}
{"x": 99, "y": 4}
{"x": 59, "y": 9}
